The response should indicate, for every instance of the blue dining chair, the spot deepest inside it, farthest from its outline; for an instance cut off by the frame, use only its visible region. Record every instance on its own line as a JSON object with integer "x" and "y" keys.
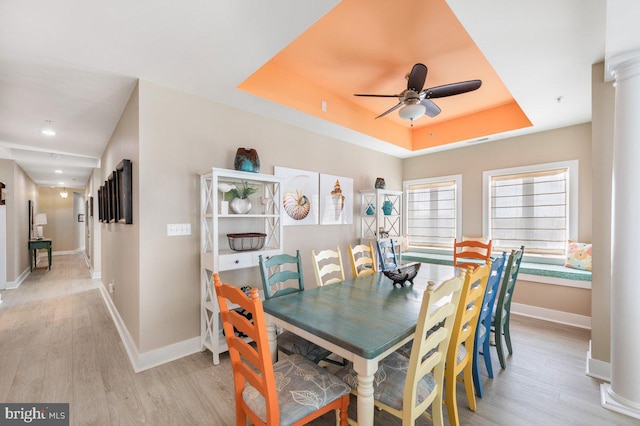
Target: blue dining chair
{"x": 275, "y": 271}
{"x": 483, "y": 330}
{"x": 387, "y": 255}
{"x": 502, "y": 309}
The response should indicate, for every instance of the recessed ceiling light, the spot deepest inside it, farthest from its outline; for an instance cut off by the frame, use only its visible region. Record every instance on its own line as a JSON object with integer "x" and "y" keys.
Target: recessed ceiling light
{"x": 47, "y": 130}
{"x": 58, "y": 171}
{"x": 60, "y": 183}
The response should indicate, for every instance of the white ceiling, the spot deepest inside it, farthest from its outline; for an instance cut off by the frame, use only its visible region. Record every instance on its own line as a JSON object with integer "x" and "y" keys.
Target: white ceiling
{"x": 76, "y": 62}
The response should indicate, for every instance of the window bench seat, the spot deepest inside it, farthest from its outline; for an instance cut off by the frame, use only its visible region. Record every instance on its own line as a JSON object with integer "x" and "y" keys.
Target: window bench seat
{"x": 536, "y": 272}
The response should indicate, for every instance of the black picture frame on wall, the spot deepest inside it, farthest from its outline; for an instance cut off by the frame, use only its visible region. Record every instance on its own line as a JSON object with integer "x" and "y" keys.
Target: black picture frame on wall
{"x": 124, "y": 192}
{"x": 115, "y": 196}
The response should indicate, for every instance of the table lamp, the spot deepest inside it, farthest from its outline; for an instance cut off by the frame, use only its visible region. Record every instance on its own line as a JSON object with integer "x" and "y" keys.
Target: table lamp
{"x": 41, "y": 219}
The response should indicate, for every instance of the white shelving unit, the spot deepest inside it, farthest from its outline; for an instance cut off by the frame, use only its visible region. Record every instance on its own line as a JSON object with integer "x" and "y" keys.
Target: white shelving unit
{"x": 372, "y": 219}
{"x": 371, "y": 223}
{"x": 215, "y": 252}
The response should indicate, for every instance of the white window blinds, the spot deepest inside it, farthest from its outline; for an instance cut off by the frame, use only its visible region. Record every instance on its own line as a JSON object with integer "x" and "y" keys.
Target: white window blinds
{"x": 431, "y": 213}
{"x": 531, "y": 209}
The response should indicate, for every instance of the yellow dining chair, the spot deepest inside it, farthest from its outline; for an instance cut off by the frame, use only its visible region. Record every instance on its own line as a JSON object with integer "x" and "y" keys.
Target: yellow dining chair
{"x": 407, "y": 387}
{"x": 327, "y": 265}
{"x": 292, "y": 391}
{"x": 461, "y": 346}
{"x": 471, "y": 252}
{"x": 363, "y": 260}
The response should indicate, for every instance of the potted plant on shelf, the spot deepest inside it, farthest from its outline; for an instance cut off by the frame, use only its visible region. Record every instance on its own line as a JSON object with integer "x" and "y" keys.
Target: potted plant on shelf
{"x": 238, "y": 197}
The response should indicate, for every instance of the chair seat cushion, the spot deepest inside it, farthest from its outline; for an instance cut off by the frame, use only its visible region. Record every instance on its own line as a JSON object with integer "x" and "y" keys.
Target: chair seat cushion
{"x": 389, "y": 380}
{"x": 291, "y": 343}
{"x": 303, "y": 387}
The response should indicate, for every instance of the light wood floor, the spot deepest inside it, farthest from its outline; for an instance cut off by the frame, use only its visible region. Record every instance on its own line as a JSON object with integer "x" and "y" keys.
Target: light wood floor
{"x": 58, "y": 344}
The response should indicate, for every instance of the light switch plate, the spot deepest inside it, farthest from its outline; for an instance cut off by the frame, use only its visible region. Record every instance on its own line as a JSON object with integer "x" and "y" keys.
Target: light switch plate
{"x": 178, "y": 229}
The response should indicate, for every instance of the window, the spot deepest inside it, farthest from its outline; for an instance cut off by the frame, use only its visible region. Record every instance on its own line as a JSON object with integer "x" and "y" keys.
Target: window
{"x": 432, "y": 211}
{"x": 533, "y": 206}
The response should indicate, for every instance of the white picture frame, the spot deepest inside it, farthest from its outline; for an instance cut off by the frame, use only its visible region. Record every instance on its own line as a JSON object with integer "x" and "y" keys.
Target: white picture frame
{"x": 299, "y": 196}
{"x": 336, "y": 200}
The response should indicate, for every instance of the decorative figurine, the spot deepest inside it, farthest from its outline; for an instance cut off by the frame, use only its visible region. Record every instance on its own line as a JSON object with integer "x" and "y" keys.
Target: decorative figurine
{"x": 380, "y": 184}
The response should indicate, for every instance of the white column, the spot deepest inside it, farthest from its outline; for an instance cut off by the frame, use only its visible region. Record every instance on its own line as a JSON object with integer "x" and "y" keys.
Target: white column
{"x": 623, "y": 394}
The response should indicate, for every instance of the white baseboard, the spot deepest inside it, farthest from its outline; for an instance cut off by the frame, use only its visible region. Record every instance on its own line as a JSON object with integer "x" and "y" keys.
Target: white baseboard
{"x": 597, "y": 369}
{"x": 613, "y": 402}
{"x": 146, "y": 360}
{"x": 11, "y": 285}
{"x": 94, "y": 275}
{"x": 560, "y": 317}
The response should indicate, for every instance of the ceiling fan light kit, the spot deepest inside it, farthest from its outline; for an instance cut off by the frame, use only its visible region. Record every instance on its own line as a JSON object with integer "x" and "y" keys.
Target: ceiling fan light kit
{"x": 415, "y": 102}
{"x": 412, "y": 111}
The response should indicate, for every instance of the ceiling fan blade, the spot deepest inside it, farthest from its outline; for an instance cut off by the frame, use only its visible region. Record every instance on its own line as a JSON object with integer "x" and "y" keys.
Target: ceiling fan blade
{"x": 452, "y": 89}
{"x": 431, "y": 108}
{"x": 377, "y": 96}
{"x": 417, "y": 77}
{"x": 391, "y": 110}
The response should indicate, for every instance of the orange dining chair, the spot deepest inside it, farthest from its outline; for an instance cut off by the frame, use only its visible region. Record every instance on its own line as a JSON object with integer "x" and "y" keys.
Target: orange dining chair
{"x": 293, "y": 391}
{"x": 407, "y": 387}
{"x": 471, "y": 252}
{"x": 327, "y": 265}
{"x": 363, "y": 260}
{"x": 461, "y": 346}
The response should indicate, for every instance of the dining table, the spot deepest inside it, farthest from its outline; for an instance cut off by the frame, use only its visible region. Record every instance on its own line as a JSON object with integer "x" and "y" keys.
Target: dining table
{"x": 363, "y": 320}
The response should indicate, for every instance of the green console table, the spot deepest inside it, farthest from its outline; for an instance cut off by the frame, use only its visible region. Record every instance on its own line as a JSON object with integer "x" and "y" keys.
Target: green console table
{"x": 34, "y": 246}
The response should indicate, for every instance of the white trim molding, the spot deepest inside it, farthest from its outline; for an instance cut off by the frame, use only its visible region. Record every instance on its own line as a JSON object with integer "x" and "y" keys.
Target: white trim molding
{"x": 613, "y": 402}
{"x": 560, "y": 317}
{"x": 144, "y": 361}
{"x": 12, "y": 285}
{"x": 555, "y": 281}
{"x": 597, "y": 369}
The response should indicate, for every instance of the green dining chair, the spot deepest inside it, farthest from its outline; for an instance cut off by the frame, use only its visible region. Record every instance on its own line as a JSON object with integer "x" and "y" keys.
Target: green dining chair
{"x": 502, "y": 309}
{"x": 275, "y": 272}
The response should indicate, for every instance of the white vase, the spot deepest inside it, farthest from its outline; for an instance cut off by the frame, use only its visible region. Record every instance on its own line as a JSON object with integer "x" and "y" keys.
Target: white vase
{"x": 240, "y": 205}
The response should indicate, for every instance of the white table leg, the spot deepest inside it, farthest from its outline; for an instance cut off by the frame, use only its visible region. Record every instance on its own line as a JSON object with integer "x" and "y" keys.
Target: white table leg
{"x": 365, "y": 369}
{"x": 273, "y": 339}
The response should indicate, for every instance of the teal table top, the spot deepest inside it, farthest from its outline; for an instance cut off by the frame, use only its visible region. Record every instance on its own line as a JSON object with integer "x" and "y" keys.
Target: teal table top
{"x": 365, "y": 315}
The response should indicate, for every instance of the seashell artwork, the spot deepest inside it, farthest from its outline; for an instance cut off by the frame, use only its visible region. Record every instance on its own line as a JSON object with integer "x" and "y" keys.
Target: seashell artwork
{"x": 297, "y": 206}
{"x": 338, "y": 199}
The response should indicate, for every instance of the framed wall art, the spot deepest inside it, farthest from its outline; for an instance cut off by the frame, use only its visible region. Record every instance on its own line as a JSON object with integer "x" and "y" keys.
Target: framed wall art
{"x": 336, "y": 200}
{"x": 299, "y": 196}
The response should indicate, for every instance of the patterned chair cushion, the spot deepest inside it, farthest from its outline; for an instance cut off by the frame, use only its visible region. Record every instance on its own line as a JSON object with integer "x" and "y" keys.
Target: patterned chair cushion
{"x": 303, "y": 387}
{"x": 405, "y": 351}
{"x": 291, "y": 343}
{"x": 388, "y": 382}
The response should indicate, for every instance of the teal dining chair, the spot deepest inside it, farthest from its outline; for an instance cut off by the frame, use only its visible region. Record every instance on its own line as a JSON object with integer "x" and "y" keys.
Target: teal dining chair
{"x": 387, "y": 255}
{"x": 502, "y": 309}
{"x": 483, "y": 330}
{"x": 275, "y": 272}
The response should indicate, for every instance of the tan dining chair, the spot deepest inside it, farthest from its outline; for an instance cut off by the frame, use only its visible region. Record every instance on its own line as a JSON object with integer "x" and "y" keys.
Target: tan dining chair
{"x": 471, "y": 252}
{"x": 407, "y": 387}
{"x": 461, "y": 346}
{"x": 293, "y": 391}
{"x": 327, "y": 264}
{"x": 363, "y": 260}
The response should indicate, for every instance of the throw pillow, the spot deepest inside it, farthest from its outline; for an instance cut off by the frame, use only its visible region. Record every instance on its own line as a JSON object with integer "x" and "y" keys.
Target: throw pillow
{"x": 578, "y": 256}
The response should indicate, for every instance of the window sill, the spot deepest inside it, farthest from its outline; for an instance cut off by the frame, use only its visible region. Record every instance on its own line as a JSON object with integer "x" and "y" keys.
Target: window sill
{"x": 536, "y": 272}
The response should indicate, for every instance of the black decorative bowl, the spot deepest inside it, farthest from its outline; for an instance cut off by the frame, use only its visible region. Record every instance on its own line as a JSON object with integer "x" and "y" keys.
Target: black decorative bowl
{"x": 403, "y": 274}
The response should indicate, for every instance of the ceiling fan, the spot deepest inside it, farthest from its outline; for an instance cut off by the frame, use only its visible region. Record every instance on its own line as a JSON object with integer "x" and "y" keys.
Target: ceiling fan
{"x": 416, "y": 102}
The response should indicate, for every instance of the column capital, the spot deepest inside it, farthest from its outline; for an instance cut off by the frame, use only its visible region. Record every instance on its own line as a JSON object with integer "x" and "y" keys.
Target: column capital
{"x": 624, "y": 65}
